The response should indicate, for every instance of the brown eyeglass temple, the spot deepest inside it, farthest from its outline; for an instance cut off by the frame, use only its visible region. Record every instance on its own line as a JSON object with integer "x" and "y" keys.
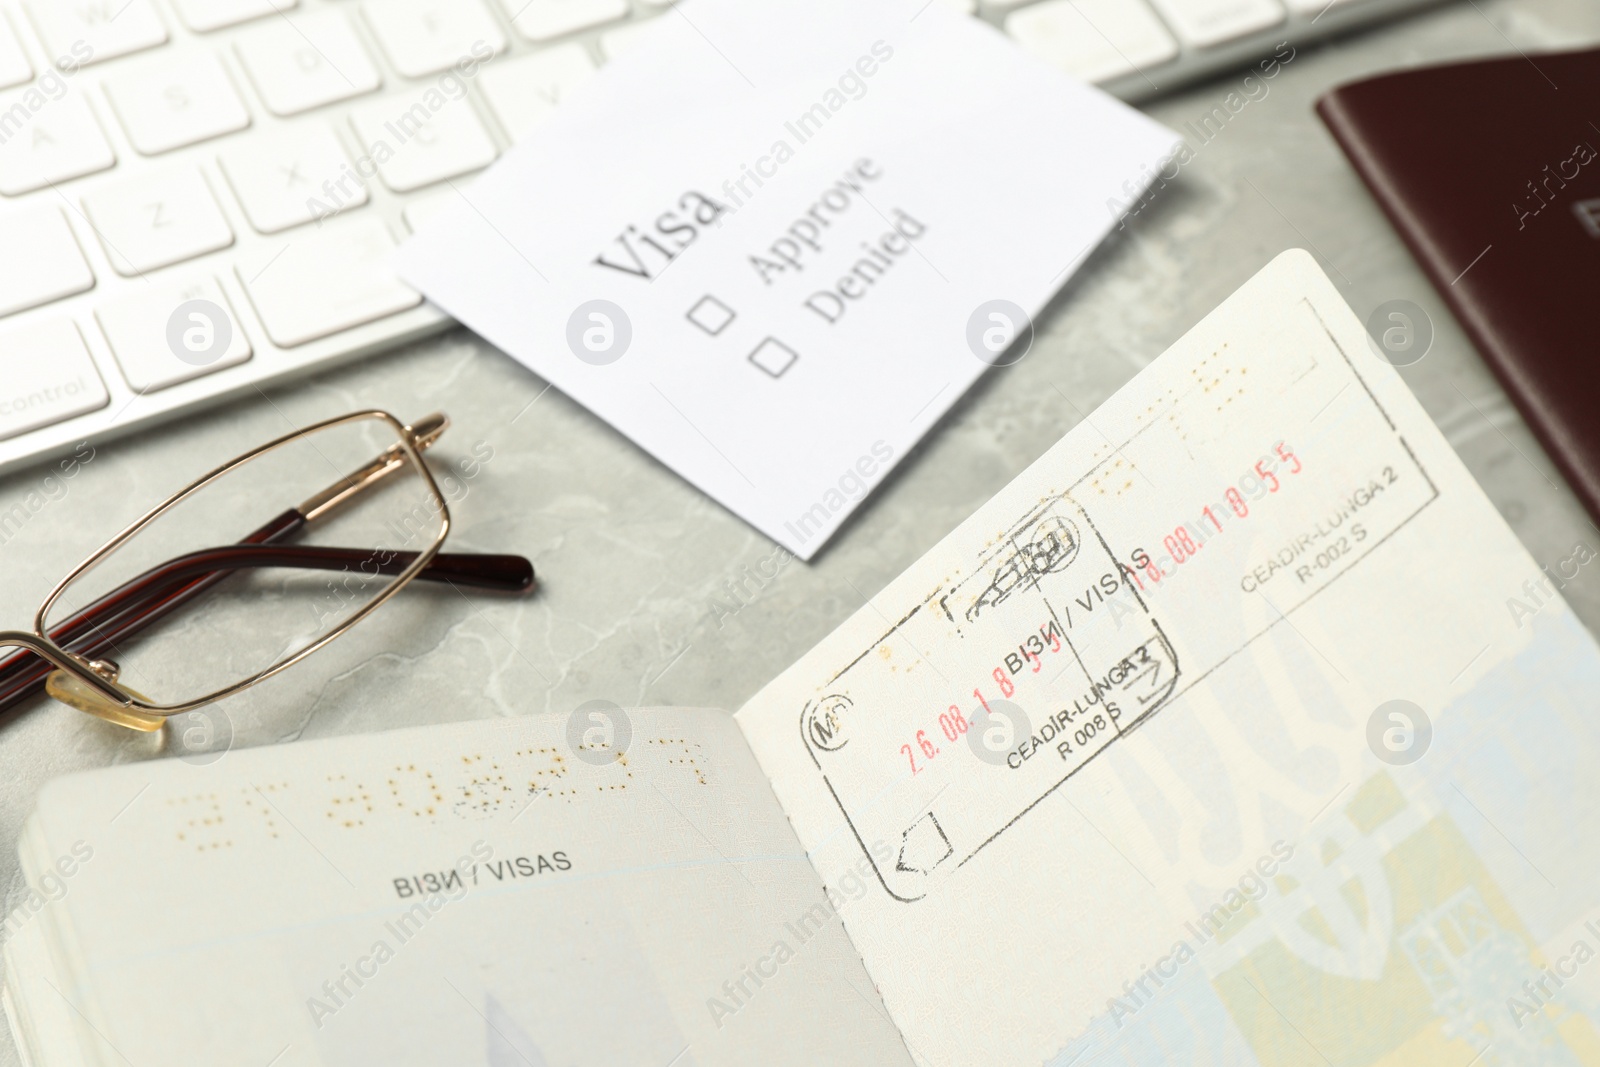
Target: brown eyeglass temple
{"x": 130, "y": 608}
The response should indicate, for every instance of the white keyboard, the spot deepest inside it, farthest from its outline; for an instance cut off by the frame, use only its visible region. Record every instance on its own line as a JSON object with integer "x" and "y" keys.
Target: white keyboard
{"x": 198, "y": 197}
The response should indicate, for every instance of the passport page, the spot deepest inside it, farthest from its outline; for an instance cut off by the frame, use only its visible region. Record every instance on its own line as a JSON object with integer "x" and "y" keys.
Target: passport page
{"x": 1238, "y": 729}
{"x": 615, "y": 888}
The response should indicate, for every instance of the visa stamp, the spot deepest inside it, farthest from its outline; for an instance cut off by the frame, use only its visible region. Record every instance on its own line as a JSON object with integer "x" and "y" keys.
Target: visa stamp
{"x": 1074, "y": 625}
{"x": 1066, "y": 676}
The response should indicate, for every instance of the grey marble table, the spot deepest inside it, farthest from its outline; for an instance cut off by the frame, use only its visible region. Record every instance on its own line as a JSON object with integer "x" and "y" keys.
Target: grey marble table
{"x": 633, "y": 561}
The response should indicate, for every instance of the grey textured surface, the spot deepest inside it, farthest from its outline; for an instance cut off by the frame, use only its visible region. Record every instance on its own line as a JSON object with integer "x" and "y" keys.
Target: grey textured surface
{"x": 630, "y": 557}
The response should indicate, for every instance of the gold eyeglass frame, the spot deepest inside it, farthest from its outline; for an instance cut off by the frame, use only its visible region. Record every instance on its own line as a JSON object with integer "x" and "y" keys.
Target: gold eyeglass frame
{"x": 91, "y": 685}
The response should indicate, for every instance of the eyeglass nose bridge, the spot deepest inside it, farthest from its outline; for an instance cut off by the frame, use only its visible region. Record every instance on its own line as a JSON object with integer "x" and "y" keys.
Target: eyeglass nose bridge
{"x": 89, "y": 685}
{"x": 73, "y": 690}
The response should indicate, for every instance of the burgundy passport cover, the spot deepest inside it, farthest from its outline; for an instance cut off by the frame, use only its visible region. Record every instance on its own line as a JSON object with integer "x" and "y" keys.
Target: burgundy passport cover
{"x": 1490, "y": 170}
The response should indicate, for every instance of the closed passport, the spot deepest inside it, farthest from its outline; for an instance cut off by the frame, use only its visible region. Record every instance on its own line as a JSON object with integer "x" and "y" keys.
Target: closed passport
{"x": 1489, "y": 170}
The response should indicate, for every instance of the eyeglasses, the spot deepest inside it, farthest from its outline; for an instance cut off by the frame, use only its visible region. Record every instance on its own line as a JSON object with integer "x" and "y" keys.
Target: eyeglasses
{"x": 109, "y": 639}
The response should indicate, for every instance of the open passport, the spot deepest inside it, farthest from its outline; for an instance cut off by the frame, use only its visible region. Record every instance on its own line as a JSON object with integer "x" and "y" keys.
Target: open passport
{"x": 1238, "y": 729}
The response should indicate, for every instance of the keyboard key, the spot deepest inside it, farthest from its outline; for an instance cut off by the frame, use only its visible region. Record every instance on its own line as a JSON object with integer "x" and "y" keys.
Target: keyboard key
{"x": 540, "y": 20}
{"x": 14, "y": 66}
{"x": 93, "y": 31}
{"x": 415, "y": 145}
{"x": 40, "y": 260}
{"x": 46, "y": 376}
{"x": 423, "y": 37}
{"x": 324, "y": 281}
{"x": 53, "y": 144}
{"x": 523, "y": 91}
{"x": 291, "y": 177}
{"x": 203, "y": 16}
{"x": 177, "y": 103}
{"x": 142, "y": 329}
{"x": 156, "y": 220}
{"x": 1208, "y": 23}
{"x": 1095, "y": 40}
{"x": 300, "y": 62}
{"x": 424, "y": 208}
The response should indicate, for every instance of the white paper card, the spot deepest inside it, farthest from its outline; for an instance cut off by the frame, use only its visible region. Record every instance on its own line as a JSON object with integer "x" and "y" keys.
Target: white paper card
{"x": 769, "y": 242}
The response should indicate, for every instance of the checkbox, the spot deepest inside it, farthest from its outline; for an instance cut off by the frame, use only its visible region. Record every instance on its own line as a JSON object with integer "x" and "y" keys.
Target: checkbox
{"x": 774, "y": 357}
{"x": 711, "y": 315}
